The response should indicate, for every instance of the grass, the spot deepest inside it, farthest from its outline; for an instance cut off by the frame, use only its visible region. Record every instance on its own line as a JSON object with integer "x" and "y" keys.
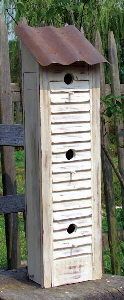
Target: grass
{"x": 23, "y": 247}
{"x": 20, "y": 179}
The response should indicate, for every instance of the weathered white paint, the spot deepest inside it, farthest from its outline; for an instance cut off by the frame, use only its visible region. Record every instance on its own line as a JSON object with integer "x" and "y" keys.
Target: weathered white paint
{"x": 62, "y": 235}
{"x": 58, "y": 206}
{"x": 75, "y": 117}
{"x": 80, "y": 222}
{"x": 78, "y": 156}
{"x": 75, "y": 242}
{"x": 72, "y": 185}
{"x": 72, "y": 270}
{"x": 72, "y": 167}
{"x": 70, "y": 97}
{"x": 74, "y": 213}
{"x": 69, "y": 252}
{"x": 81, "y": 85}
{"x": 80, "y": 146}
{"x": 70, "y": 108}
{"x": 60, "y": 177}
{"x": 64, "y": 128}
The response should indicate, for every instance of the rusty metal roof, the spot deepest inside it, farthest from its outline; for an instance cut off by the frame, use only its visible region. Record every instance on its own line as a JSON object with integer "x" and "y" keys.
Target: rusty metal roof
{"x": 50, "y": 45}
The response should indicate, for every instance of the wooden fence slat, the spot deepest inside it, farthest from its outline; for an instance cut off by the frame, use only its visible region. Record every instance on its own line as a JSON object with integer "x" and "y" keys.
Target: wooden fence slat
{"x": 116, "y": 91}
{"x": 7, "y": 153}
{"x": 11, "y": 135}
{"x": 12, "y": 204}
{"x": 107, "y": 174}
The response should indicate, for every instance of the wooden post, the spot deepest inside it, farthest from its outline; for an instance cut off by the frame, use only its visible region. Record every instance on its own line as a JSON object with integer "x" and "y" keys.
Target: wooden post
{"x": 7, "y": 155}
{"x": 107, "y": 175}
{"x": 116, "y": 91}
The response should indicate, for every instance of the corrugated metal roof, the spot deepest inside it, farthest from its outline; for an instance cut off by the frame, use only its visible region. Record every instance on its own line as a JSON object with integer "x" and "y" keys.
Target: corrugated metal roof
{"x": 50, "y": 45}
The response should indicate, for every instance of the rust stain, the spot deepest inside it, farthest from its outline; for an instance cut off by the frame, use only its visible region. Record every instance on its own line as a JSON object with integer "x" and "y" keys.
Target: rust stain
{"x": 64, "y": 46}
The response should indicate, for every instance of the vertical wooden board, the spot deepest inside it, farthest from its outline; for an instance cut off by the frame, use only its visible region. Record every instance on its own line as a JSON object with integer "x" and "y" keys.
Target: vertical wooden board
{"x": 32, "y": 147}
{"x": 7, "y": 153}
{"x": 46, "y": 195}
{"x": 96, "y": 172}
{"x": 72, "y": 270}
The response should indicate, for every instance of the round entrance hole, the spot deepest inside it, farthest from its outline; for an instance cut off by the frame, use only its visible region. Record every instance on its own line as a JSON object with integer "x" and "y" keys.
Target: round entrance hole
{"x": 70, "y": 154}
{"x": 71, "y": 228}
{"x": 68, "y": 78}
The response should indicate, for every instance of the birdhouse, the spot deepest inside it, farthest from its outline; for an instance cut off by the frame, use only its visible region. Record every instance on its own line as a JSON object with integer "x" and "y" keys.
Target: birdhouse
{"x": 61, "y": 92}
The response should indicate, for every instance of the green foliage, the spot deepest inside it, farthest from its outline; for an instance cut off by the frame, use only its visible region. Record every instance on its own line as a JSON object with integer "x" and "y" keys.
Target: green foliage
{"x": 109, "y": 16}
{"x": 14, "y": 60}
{"x": 23, "y": 246}
{"x": 114, "y": 107}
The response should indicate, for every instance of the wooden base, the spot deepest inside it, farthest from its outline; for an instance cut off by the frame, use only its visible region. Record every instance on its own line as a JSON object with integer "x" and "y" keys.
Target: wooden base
{"x": 15, "y": 285}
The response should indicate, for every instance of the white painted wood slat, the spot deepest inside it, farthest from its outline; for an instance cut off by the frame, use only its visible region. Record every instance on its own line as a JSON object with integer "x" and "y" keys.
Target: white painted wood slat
{"x": 71, "y": 195}
{"x": 71, "y": 137}
{"x": 72, "y": 117}
{"x": 76, "y": 204}
{"x": 60, "y": 158}
{"x": 72, "y": 185}
{"x": 63, "y": 235}
{"x": 80, "y": 222}
{"x": 62, "y": 148}
{"x": 71, "y": 167}
{"x": 63, "y": 128}
{"x": 70, "y": 108}
{"x": 82, "y": 85}
{"x": 72, "y": 270}
{"x": 75, "y": 242}
{"x": 68, "y": 214}
{"x": 70, "y": 252}
{"x": 60, "y": 177}
{"x": 69, "y": 97}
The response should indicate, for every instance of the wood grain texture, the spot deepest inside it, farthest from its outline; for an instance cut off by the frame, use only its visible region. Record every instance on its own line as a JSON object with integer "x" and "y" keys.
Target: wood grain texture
{"x": 72, "y": 167}
{"x": 74, "y": 242}
{"x": 81, "y": 85}
{"x": 80, "y": 146}
{"x": 63, "y": 118}
{"x": 16, "y": 285}
{"x": 77, "y": 156}
{"x": 72, "y": 270}
{"x": 96, "y": 172}
{"x": 46, "y": 195}
{"x": 70, "y": 252}
{"x": 70, "y": 108}
{"x": 68, "y": 205}
{"x": 65, "y": 128}
{"x": 75, "y": 185}
{"x": 30, "y": 75}
{"x": 11, "y": 135}
{"x": 80, "y": 222}
{"x": 71, "y": 97}
{"x": 12, "y": 204}
{"x": 69, "y": 214}
{"x": 71, "y": 137}
{"x": 79, "y": 232}
{"x": 60, "y": 177}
